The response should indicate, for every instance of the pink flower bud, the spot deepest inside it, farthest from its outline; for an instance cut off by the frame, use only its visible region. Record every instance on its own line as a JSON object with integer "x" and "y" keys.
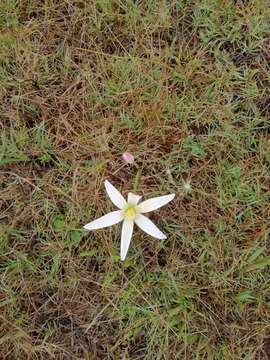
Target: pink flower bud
{"x": 128, "y": 158}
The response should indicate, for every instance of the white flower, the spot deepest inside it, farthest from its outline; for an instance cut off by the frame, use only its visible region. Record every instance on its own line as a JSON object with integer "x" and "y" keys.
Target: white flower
{"x": 131, "y": 211}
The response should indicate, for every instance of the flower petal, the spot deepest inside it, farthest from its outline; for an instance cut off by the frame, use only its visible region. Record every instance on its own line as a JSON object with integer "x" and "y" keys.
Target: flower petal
{"x": 149, "y": 227}
{"x": 115, "y": 196}
{"x": 155, "y": 203}
{"x": 106, "y": 220}
{"x": 133, "y": 198}
{"x": 128, "y": 158}
{"x": 126, "y": 235}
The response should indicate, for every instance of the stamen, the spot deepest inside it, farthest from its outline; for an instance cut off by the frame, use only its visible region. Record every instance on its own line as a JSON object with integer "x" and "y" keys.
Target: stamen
{"x": 130, "y": 212}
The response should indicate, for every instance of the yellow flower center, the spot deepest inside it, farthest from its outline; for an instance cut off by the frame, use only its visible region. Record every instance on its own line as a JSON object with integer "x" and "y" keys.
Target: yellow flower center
{"x": 130, "y": 212}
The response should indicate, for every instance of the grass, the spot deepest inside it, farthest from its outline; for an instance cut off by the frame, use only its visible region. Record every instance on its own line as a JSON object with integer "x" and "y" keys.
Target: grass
{"x": 183, "y": 86}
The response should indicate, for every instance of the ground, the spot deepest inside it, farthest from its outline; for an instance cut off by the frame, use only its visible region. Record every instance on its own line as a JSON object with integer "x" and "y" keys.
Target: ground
{"x": 184, "y": 87}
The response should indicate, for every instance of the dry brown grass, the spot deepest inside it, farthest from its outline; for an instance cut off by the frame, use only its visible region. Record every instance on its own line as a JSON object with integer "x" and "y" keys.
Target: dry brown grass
{"x": 184, "y": 87}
